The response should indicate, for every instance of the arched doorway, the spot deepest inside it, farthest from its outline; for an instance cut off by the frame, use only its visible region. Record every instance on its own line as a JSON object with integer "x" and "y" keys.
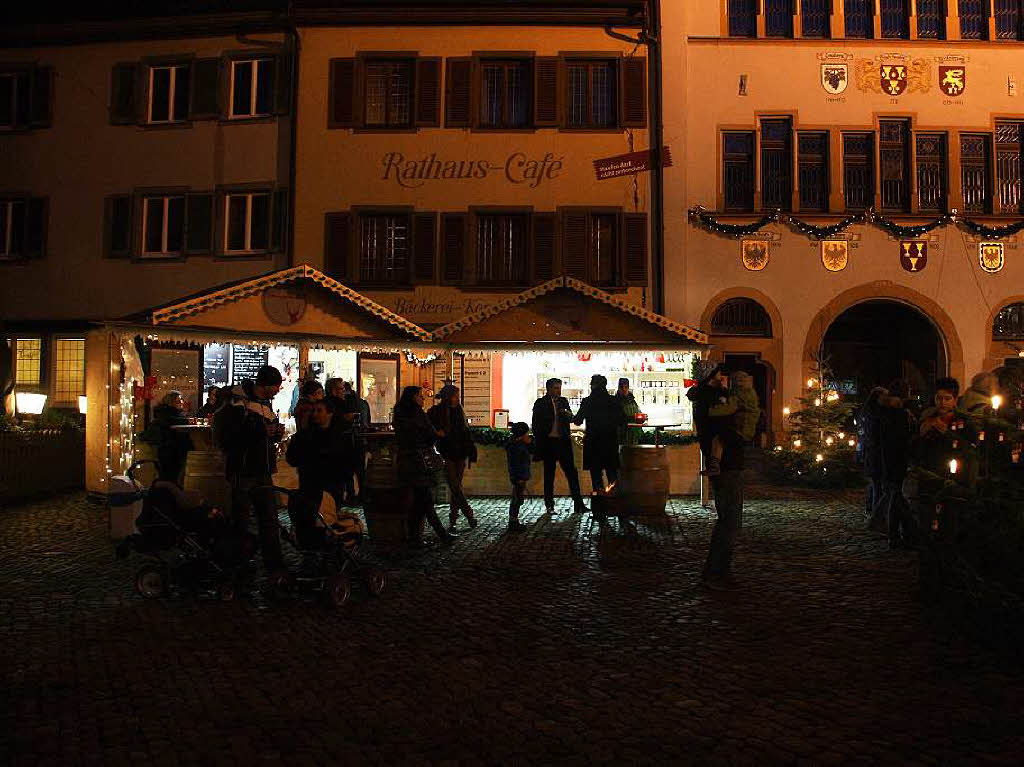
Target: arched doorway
{"x": 876, "y": 341}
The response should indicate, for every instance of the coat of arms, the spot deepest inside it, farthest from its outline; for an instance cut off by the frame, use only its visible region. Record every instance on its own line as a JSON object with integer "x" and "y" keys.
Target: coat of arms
{"x": 835, "y": 254}
{"x": 755, "y": 254}
{"x": 835, "y": 78}
{"x": 953, "y": 80}
{"x": 893, "y": 78}
{"x": 913, "y": 255}
{"x": 990, "y": 255}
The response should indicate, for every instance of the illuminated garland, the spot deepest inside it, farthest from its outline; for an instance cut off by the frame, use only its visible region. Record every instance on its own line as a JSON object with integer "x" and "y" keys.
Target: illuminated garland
{"x": 992, "y": 232}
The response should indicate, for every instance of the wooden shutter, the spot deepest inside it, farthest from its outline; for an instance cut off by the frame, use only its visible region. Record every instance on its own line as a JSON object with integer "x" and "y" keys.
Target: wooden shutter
{"x": 124, "y": 97}
{"x": 337, "y": 245}
{"x": 198, "y": 223}
{"x": 424, "y": 248}
{"x": 279, "y": 221}
{"x": 633, "y": 80}
{"x": 205, "y": 90}
{"x": 35, "y": 227}
{"x": 42, "y": 90}
{"x": 634, "y": 248}
{"x": 545, "y": 92}
{"x": 342, "y": 103}
{"x": 428, "y": 92}
{"x": 458, "y": 112}
{"x": 117, "y": 227}
{"x": 575, "y": 250}
{"x": 453, "y": 244}
{"x": 545, "y": 246}
{"x": 283, "y": 84}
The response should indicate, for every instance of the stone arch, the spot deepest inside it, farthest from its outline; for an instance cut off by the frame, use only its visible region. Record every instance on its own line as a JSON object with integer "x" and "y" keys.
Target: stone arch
{"x": 754, "y": 295}
{"x": 997, "y": 351}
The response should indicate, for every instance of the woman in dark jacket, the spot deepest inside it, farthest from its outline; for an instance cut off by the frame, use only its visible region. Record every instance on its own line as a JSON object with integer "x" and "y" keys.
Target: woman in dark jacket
{"x": 311, "y": 392}
{"x": 456, "y": 447}
{"x": 416, "y": 438}
{"x": 604, "y": 417}
{"x": 172, "y": 445}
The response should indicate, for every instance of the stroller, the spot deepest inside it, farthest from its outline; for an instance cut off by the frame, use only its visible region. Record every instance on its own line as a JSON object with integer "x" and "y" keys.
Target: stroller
{"x": 333, "y": 553}
{"x": 189, "y": 544}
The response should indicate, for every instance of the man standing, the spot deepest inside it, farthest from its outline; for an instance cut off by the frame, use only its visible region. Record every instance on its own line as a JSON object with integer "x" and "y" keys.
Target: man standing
{"x": 551, "y": 418}
{"x": 604, "y": 417}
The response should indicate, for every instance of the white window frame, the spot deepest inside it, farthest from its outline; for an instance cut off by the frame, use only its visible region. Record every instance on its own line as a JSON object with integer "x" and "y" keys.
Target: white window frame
{"x": 175, "y": 70}
{"x": 165, "y": 200}
{"x": 7, "y": 212}
{"x": 248, "y": 220}
{"x": 254, "y": 75}
{"x": 17, "y": 78}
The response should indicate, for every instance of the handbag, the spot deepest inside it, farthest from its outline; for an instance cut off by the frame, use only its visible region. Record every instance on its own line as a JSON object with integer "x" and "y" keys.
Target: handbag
{"x": 431, "y": 460}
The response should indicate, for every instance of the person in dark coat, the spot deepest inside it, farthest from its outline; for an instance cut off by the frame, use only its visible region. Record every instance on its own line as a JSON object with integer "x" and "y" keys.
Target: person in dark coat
{"x": 552, "y": 417}
{"x": 415, "y": 437}
{"x": 343, "y": 424}
{"x": 311, "y": 393}
{"x": 871, "y": 456}
{"x": 727, "y": 489}
{"x": 456, "y": 447}
{"x": 711, "y": 391}
{"x": 359, "y": 409}
{"x": 314, "y": 452}
{"x": 604, "y": 417}
{"x": 895, "y": 432}
{"x": 172, "y": 445}
{"x": 518, "y": 450}
{"x": 212, "y": 404}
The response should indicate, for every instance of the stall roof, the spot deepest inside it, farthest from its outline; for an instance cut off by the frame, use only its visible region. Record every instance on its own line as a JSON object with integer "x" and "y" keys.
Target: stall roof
{"x": 566, "y": 310}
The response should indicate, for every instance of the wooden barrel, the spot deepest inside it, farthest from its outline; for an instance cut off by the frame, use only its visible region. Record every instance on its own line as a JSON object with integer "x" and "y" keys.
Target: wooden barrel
{"x": 643, "y": 485}
{"x": 204, "y": 473}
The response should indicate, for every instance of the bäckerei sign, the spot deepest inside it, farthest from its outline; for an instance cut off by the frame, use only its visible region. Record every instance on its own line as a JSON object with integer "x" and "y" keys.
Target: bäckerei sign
{"x": 518, "y": 168}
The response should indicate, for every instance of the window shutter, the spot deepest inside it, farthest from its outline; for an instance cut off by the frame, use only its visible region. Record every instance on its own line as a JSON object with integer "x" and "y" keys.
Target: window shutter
{"x": 124, "y": 93}
{"x": 545, "y": 246}
{"x": 198, "y": 223}
{"x": 634, "y": 92}
{"x": 634, "y": 248}
{"x": 42, "y": 90}
{"x": 428, "y": 92}
{"x": 35, "y": 227}
{"x": 459, "y": 93}
{"x": 337, "y": 245}
{"x": 574, "y": 244}
{"x": 545, "y": 92}
{"x": 342, "y": 94}
{"x": 424, "y": 248}
{"x": 453, "y": 243}
{"x": 283, "y": 84}
{"x": 279, "y": 224}
{"x": 205, "y": 89}
{"x": 118, "y": 226}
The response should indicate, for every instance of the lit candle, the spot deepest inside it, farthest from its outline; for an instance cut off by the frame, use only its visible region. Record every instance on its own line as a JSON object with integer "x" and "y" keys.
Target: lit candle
{"x": 819, "y": 458}
{"x": 785, "y": 411}
{"x": 997, "y": 402}
{"x": 810, "y": 383}
{"x": 953, "y": 466}
{"x": 852, "y": 443}
{"x": 842, "y": 435}
{"x": 981, "y": 436}
{"x": 829, "y": 441}
{"x": 817, "y": 401}
{"x": 796, "y": 443}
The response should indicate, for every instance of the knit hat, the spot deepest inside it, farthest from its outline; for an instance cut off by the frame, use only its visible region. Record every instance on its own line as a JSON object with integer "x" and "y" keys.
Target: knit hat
{"x": 268, "y": 375}
{"x": 519, "y": 429}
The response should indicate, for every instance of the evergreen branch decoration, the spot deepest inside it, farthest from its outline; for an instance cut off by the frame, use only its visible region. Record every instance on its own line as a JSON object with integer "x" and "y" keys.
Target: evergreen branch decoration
{"x": 992, "y": 232}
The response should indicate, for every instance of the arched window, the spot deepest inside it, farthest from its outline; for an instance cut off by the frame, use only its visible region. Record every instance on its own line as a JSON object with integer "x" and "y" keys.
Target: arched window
{"x": 741, "y": 317}
{"x": 1009, "y": 323}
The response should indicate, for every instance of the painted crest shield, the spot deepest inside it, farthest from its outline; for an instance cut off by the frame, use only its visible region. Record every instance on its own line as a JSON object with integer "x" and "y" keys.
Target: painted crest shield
{"x": 893, "y": 78}
{"x": 835, "y": 254}
{"x": 755, "y": 254}
{"x": 953, "y": 80}
{"x": 991, "y": 256}
{"x": 835, "y": 78}
{"x": 914, "y": 255}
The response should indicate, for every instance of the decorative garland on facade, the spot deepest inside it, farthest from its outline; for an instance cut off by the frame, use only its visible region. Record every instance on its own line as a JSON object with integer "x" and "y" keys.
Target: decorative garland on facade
{"x": 702, "y": 217}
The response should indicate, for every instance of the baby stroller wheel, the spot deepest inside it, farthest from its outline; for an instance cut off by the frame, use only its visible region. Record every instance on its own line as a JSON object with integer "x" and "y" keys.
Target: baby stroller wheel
{"x": 226, "y": 592}
{"x": 377, "y": 581}
{"x": 151, "y": 581}
{"x": 337, "y": 590}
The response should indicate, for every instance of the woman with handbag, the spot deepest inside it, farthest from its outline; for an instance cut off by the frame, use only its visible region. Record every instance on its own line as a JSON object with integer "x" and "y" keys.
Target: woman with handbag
{"x": 418, "y": 462}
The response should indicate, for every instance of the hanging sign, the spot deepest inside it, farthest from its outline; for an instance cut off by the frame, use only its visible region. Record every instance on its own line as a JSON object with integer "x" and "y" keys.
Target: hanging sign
{"x": 755, "y": 254}
{"x": 628, "y": 164}
{"x": 835, "y": 254}
{"x": 991, "y": 256}
{"x": 913, "y": 255}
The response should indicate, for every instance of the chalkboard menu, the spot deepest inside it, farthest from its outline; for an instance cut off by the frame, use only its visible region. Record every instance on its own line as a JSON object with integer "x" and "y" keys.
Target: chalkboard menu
{"x": 246, "y": 362}
{"x": 215, "y": 365}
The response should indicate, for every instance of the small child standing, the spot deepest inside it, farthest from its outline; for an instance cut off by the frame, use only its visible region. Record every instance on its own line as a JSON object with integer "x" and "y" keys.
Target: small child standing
{"x": 735, "y": 419}
{"x": 518, "y": 449}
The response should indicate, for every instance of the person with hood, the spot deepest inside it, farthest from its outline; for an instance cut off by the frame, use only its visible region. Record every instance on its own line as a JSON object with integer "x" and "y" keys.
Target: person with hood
{"x": 711, "y": 391}
{"x": 312, "y": 392}
{"x": 896, "y": 430}
{"x": 247, "y": 430}
{"x": 630, "y": 409}
{"x": 457, "y": 449}
{"x": 172, "y": 445}
{"x": 736, "y": 418}
{"x": 551, "y": 421}
{"x": 604, "y": 417}
{"x": 416, "y": 438}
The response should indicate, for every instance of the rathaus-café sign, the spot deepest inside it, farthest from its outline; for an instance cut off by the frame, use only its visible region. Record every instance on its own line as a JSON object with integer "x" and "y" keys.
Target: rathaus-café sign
{"x": 518, "y": 168}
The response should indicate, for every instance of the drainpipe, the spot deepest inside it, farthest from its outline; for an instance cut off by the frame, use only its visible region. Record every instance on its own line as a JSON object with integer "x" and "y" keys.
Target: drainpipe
{"x": 653, "y": 40}
{"x": 293, "y": 138}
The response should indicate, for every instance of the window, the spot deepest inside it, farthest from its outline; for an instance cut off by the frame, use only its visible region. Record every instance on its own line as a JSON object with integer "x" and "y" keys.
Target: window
{"x": 858, "y": 170}
{"x": 70, "y": 382}
{"x": 22, "y": 227}
{"x": 384, "y": 249}
{"x": 505, "y": 95}
{"x": 1009, "y": 324}
{"x": 976, "y": 172}
{"x": 816, "y": 18}
{"x": 777, "y": 163}
{"x": 895, "y": 18}
{"x": 592, "y": 94}
{"x": 931, "y": 19}
{"x": 860, "y": 18}
{"x": 778, "y": 18}
{"x": 741, "y": 317}
{"x": 28, "y": 361}
{"x": 388, "y": 94}
{"x": 813, "y": 158}
{"x": 894, "y": 159}
{"x": 738, "y": 170}
{"x": 248, "y": 222}
{"x": 743, "y": 18}
{"x": 163, "y": 225}
{"x": 502, "y": 249}
{"x": 1008, "y": 138}
{"x": 252, "y": 83}
{"x": 973, "y": 19}
{"x": 931, "y": 171}
{"x": 14, "y": 99}
{"x": 1008, "y": 17}
{"x": 604, "y": 249}
{"x": 168, "y": 94}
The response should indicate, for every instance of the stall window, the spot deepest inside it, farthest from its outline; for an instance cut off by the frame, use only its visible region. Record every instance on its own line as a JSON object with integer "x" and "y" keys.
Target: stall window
{"x": 592, "y": 99}
{"x": 1008, "y": 18}
{"x": 778, "y": 18}
{"x": 741, "y": 317}
{"x": 70, "y": 380}
{"x": 163, "y": 225}
{"x": 248, "y": 222}
{"x": 813, "y": 149}
{"x": 973, "y": 19}
{"x": 858, "y": 170}
{"x": 815, "y": 18}
{"x": 1008, "y": 138}
{"x": 388, "y": 94}
{"x": 505, "y": 94}
{"x": 931, "y": 19}
{"x": 931, "y": 171}
{"x": 743, "y": 18}
{"x": 28, "y": 361}
{"x": 777, "y": 163}
{"x": 384, "y": 248}
{"x": 252, "y": 83}
{"x": 168, "y": 93}
{"x": 895, "y": 18}
{"x": 738, "y": 170}
{"x": 860, "y": 18}
{"x": 1009, "y": 323}
{"x": 894, "y": 156}
{"x": 976, "y": 172}
{"x": 502, "y": 251}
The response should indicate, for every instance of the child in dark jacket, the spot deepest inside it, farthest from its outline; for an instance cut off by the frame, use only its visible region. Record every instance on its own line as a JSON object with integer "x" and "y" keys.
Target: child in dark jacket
{"x": 519, "y": 452}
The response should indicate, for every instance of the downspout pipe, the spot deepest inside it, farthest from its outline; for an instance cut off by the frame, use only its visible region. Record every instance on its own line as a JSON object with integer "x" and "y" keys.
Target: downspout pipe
{"x": 293, "y": 138}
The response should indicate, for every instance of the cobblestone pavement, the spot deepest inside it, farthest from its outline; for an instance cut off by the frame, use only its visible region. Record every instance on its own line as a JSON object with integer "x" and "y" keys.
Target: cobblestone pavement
{"x": 564, "y": 645}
